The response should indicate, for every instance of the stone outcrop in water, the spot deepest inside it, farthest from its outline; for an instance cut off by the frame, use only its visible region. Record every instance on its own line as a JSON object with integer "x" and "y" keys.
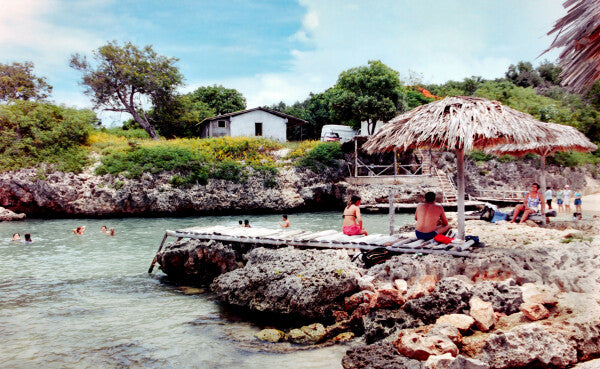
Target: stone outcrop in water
{"x": 305, "y": 283}
{"x": 473, "y": 305}
{"x": 8, "y": 215}
{"x": 199, "y": 262}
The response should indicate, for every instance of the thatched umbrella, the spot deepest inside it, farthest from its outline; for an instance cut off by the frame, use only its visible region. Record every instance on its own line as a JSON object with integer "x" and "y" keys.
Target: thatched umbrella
{"x": 579, "y": 33}
{"x": 456, "y": 123}
{"x": 561, "y": 138}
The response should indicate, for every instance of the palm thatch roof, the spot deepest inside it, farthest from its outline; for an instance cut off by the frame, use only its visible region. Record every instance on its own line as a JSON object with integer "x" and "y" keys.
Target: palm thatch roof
{"x": 579, "y": 33}
{"x": 561, "y": 138}
{"x": 460, "y": 122}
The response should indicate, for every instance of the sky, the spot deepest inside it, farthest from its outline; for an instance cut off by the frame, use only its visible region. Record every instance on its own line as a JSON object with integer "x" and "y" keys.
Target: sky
{"x": 280, "y": 50}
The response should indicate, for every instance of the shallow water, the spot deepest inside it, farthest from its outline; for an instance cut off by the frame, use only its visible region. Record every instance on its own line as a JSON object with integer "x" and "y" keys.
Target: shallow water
{"x": 70, "y": 301}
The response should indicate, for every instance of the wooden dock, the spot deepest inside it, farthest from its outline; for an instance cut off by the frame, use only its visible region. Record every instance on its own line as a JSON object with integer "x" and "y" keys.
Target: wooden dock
{"x": 331, "y": 239}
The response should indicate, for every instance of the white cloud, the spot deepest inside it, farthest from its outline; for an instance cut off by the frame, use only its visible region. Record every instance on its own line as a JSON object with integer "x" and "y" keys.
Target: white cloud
{"x": 441, "y": 40}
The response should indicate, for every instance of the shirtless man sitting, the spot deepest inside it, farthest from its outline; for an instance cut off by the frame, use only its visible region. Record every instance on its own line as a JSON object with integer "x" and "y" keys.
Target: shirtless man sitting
{"x": 431, "y": 219}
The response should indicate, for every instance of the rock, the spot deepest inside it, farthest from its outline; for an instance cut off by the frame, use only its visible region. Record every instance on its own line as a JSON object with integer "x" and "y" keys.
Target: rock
{"x": 304, "y": 283}
{"x": 446, "y": 330}
{"x": 343, "y": 337}
{"x": 296, "y": 335}
{"x": 528, "y": 344}
{"x": 197, "y": 261}
{"x": 420, "y": 343}
{"x": 447, "y": 361}
{"x": 352, "y": 302}
{"x": 9, "y": 215}
{"x": 534, "y": 311}
{"x": 505, "y": 296}
{"x": 545, "y": 298}
{"x": 88, "y": 194}
{"x": 386, "y": 298}
{"x": 592, "y": 364}
{"x": 422, "y": 287}
{"x": 340, "y": 316}
{"x": 444, "y": 361}
{"x": 378, "y": 356}
{"x": 450, "y": 295}
{"x": 382, "y": 323}
{"x": 366, "y": 283}
{"x": 462, "y": 322}
{"x": 401, "y": 285}
{"x": 270, "y": 335}
{"x": 314, "y": 332}
{"x": 483, "y": 313}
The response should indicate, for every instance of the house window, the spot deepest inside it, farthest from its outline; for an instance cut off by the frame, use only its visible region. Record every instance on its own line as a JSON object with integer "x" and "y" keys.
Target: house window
{"x": 258, "y": 129}
{"x": 221, "y": 124}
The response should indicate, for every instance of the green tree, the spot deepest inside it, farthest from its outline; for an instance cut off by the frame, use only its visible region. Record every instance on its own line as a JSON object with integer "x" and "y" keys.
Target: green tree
{"x": 222, "y": 100}
{"x": 524, "y": 75}
{"x": 179, "y": 116}
{"x": 125, "y": 75}
{"x": 368, "y": 93}
{"x": 18, "y": 82}
{"x": 36, "y": 132}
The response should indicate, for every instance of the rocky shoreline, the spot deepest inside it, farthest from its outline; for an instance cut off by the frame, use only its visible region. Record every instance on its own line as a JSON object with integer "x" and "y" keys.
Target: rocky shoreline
{"x": 57, "y": 194}
{"x": 530, "y": 299}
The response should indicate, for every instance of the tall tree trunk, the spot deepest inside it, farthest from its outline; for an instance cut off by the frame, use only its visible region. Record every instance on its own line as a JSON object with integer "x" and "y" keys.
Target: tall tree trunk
{"x": 145, "y": 125}
{"x": 370, "y": 127}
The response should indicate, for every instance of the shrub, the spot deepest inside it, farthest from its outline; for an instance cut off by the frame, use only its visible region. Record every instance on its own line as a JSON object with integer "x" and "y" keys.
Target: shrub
{"x": 573, "y": 159}
{"x": 32, "y": 133}
{"x": 477, "y": 155}
{"x": 322, "y": 155}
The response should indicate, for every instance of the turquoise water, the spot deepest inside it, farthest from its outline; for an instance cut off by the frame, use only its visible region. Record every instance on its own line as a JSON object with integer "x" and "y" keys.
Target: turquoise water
{"x": 87, "y": 301}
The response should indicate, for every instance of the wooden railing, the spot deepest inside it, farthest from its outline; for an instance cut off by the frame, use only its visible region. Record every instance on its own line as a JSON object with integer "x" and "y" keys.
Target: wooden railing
{"x": 501, "y": 194}
{"x": 373, "y": 170}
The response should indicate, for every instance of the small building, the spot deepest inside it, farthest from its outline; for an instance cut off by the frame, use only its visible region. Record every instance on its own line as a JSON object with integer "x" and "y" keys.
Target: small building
{"x": 257, "y": 122}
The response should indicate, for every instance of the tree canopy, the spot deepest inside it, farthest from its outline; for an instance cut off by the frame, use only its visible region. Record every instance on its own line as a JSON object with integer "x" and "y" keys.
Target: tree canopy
{"x": 368, "y": 93}
{"x": 123, "y": 76}
{"x": 222, "y": 100}
{"x": 17, "y": 82}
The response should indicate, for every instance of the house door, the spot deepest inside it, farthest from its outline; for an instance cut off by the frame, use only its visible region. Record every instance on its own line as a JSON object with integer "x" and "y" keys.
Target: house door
{"x": 258, "y": 129}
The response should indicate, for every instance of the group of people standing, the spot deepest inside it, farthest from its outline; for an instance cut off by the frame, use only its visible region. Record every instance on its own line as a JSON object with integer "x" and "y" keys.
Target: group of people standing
{"x": 563, "y": 199}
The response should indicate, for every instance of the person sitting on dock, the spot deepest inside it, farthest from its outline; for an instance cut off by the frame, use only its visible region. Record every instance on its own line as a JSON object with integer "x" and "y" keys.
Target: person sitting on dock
{"x": 431, "y": 219}
{"x": 530, "y": 204}
{"x": 352, "y": 224}
{"x": 285, "y": 223}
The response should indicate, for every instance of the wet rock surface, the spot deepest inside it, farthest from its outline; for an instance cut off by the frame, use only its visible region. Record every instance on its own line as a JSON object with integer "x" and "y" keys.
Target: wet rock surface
{"x": 199, "y": 262}
{"x": 307, "y": 283}
{"x": 8, "y": 215}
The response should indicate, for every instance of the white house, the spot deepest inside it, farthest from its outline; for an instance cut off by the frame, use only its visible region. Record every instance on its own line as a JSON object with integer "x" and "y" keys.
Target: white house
{"x": 257, "y": 122}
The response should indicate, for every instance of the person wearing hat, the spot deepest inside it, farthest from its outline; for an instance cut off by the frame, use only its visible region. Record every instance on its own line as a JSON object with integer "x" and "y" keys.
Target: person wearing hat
{"x": 567, "y": 199}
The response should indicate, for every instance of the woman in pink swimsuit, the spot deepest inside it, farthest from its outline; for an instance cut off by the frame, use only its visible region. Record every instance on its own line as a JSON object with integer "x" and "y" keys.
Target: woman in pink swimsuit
{"x": 352, "y": 224}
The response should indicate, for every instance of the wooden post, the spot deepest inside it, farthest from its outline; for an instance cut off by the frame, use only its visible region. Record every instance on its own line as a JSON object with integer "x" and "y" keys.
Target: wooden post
{"x": 392, "y": 211}
{"x": 159, "y": 248}
{"x": 460, "y": 201}
{"x": 543, "y": 184}
{"x": 355, "y": 157}
{"x": 395, "y": 163}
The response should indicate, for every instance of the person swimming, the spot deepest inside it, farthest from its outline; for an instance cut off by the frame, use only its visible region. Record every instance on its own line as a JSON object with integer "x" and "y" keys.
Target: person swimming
{"x": 27, "y": 238}
{"x": 16, "y": 237}
{"x": 79, "y": 230}
{"x": 285, "y": 223}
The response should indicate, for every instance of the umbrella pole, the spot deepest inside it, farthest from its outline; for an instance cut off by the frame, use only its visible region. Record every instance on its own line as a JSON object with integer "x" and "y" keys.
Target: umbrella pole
{"x": 543, "y": 184}
{"x": 460, "y": 201}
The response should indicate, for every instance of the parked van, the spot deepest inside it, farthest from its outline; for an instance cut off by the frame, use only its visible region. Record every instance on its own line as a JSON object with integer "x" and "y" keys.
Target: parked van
{"x": 336, "y": 132}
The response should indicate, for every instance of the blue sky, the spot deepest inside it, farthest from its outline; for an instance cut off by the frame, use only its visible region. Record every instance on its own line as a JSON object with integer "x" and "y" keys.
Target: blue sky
{"x": 280, "y": 50}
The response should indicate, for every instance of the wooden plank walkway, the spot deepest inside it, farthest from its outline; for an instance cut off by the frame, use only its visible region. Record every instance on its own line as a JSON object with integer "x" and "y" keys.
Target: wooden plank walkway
{"x": 323, "y": 239}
